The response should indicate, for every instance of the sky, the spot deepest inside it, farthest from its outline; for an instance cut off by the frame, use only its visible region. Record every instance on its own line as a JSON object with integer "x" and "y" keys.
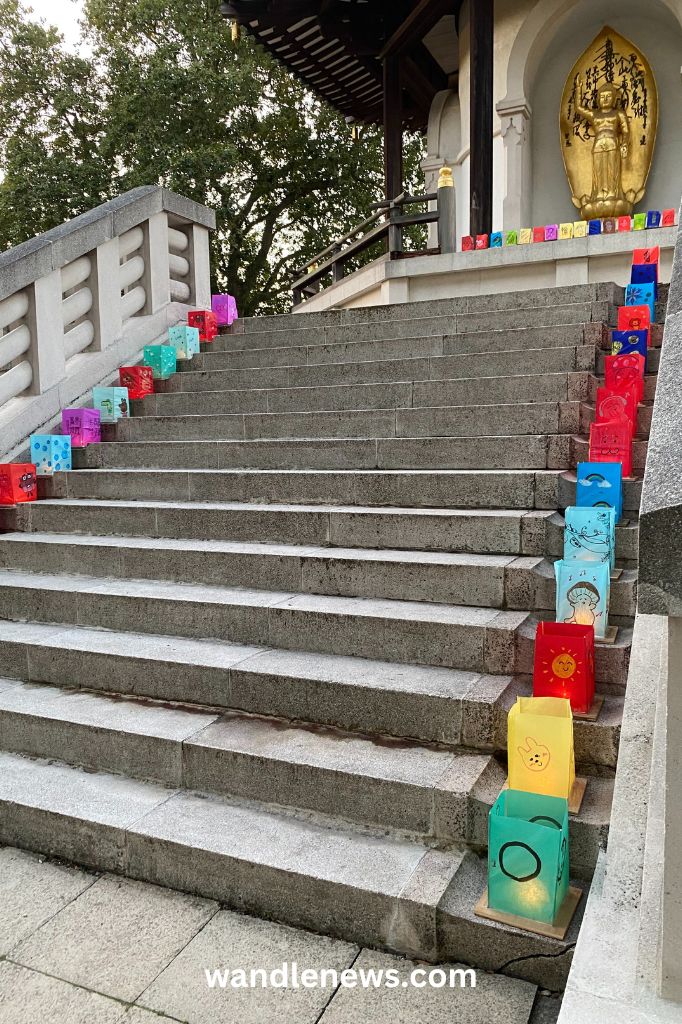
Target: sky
{"x": 62, "y": 13}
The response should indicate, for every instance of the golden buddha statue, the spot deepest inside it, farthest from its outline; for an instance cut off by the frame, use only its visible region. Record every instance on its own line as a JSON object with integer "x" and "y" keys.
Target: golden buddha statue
{"x": 611, "y": 127}
{"x": 609, "y": 116}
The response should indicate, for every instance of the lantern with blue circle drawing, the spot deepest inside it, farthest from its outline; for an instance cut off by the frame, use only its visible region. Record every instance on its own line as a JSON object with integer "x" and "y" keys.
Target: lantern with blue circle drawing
{"x": 590, "y": 535}
{"x": 600, "y": 485}
{"x": 185, "y": 341}
{"x": 625, "y": 343}
{"x": 583, "y": 591}
{"x": 50, "y": 453}
{"x": 528, "y": 862}
{"x": 642, "y": 295}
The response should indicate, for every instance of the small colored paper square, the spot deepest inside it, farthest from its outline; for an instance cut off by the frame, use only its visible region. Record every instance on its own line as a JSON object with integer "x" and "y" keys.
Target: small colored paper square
{"x": 525, "y": 236}
{"x": 496, "y": 240}
{"x": 566, "y": 231}
{"x": 511, "y": 238}
{"x": 600, "y": 484}
{"x": 653, "y": 219}
{"x": 580, "y": 229}
{"x": 609, "y": 226}
{"x": 538, "y": 234}
{"x": 482, "y": 242}
{"x": 625, "y": 223}
{"x": 639, "y": 222}
{"x": 551, "y": 232}
{"x": 583, "y": 594}
{"x": 668, "y": 219}
{"x": 594, "y": 227}
{"x": 468, "y": 243}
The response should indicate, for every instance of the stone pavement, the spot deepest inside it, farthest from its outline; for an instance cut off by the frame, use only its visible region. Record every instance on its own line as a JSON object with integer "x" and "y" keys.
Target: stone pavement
{"x": 83, "y": 948}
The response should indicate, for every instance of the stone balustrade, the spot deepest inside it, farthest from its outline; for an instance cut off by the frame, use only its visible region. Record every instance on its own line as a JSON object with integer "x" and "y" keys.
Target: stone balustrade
{"x": 81, "y": 300}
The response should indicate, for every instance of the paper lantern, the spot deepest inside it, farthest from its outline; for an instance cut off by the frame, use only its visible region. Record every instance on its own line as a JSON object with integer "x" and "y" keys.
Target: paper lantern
{"x": 612, "y": 442}
{"x": 551, "y": 232}
{"x": 511, "y": 238}
{"x": 566, "y": 231}
{"x": 113, "y": 403}
{"x": 642, "y": 295}
{"x": 482, "y": 242}
{"x": 634, "y": 318}
{"x": 583, "y": 593}
{"x": 528, "y": 861}
{"x": 668, "y": 219}
{"x": 467, "y": 243}
{"x": 540, "y": 746}
{"x": 580, "y": 229}
{"x": 539, "y": 234}
{"x": 185, "y": 341}
{"x": 225, "y": 309}
{"x": 162, "y": 360}
{"x": 205, "y": 320}
{"x": 525, "y": 236}
{"x": 18, "y": 483}
{"x": 594, "y": 227}
{"x": 645, "y": 273}
{"x": 600, "y": 485}
{"x": 650, "y": 255}
{"x": 82, "y": 426}
{"x": 564, "y": 664}
{"x": 627, "y": 343}
{"x": 496, "y": 240}
{"x": 617, "y": 405}
{"x": 625, "y": 372}
{"x": 590, "y": 535}
{"x": 625, "y": 223}
{"x": 653, "y": 219}
{"x": 137, "y": 380}
{"x": 50, "y": 453}
{"x": 639, "y": 222}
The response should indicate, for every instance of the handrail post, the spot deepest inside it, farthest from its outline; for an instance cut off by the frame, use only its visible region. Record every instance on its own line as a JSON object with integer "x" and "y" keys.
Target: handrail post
{"x": 395, "y": 231}
{"x": 447, "y": 238}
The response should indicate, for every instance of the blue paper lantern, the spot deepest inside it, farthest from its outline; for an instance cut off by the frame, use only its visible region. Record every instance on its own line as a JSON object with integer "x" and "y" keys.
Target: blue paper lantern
{"x": 642, "y": 295}
{"x": 600, "y": 485}
{"x": 583, "y": 591}
{"x": 590, "y": 535}
{"x": 624, "y": 343}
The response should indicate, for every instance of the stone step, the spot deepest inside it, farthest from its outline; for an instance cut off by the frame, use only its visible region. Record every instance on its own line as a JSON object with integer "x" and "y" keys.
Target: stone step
{"x": 476, "y": 531}
{"x": 431, "y": 793}
{"x": 354, "y": 350}
{"x": 425, "y": 791}
{"x": 448, "y": 636}
{"x": 383, "y": 371}
{"x": 551, "y": 387}
{"x": 477, "y": 580}
{"x": 432, "y": 705}
{"x": 451, "y": 489}
{"x": 450, "y": 421}
{"x": 490, "y": 302}
{"x": 307, "y": 872}
{"x": 482, "y": 333}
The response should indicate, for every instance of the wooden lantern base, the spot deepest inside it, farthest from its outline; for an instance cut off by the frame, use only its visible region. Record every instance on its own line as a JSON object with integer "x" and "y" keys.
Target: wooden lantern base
{"x": 593, "y": 714}
{"x": 610, "y": 638}
{"x": 557, "y": 930}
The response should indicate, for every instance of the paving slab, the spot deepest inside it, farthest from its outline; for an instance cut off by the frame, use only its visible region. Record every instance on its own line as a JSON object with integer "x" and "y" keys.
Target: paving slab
{"x": 117, "y": 937}
{"x": 232, "y": 942}
{"x": 33, "y": 890}
{"x": 27, "y": 997}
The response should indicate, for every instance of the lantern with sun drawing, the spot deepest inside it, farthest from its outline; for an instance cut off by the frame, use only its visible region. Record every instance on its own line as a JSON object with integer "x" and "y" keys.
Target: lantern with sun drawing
{"x": 564, "y": 664}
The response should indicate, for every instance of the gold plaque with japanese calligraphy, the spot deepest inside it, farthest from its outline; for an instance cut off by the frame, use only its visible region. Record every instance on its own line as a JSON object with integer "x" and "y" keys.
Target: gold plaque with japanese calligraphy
{"x": 609, "y": 117}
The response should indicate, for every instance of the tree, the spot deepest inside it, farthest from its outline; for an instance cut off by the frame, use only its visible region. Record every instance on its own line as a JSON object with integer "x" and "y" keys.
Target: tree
{"x": 167, "y": 98}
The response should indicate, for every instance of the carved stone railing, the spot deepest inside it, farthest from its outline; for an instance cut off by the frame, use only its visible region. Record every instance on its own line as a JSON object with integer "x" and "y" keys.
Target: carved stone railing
{"x": 82, "y": 299}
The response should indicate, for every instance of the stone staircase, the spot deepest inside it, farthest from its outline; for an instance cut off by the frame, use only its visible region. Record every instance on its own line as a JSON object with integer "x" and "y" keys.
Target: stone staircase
{"x": 261, "y": 644}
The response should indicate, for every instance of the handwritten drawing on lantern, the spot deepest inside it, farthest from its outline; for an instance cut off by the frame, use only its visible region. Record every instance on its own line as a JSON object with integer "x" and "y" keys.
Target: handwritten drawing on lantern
{"x": 540, "y": 746}
{"x": 590, "y": 535}
{"x": 600, "y": 485}
{"x": 564, "y": 664}
{"x": 582, "y": 594}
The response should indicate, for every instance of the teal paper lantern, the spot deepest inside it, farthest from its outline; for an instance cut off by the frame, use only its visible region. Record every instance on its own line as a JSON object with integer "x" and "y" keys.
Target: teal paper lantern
{"x": 528, "y": 863}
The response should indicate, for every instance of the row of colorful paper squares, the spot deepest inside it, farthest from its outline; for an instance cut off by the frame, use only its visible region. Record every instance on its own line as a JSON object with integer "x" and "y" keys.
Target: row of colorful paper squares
{"x": 568, "y": 230}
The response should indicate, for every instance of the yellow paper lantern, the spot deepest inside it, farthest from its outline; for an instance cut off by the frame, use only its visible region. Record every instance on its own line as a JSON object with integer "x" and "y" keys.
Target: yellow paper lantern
{"x": 540, "y": 746}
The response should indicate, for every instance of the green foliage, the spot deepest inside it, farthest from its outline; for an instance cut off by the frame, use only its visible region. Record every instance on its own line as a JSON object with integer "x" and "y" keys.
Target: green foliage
{"x": 165, "y": 97}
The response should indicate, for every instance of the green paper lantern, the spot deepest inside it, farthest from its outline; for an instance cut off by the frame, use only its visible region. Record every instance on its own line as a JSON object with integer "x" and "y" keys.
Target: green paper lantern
{"x": 528, "y": 864}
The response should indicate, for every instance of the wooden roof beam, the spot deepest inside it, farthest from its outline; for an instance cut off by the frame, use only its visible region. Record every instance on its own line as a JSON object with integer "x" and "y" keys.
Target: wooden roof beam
{"x": 419, "y": 23}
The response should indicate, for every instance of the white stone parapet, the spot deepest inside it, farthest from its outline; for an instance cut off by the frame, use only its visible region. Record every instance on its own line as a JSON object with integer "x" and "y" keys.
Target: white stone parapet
{"x": 83, "y": 299}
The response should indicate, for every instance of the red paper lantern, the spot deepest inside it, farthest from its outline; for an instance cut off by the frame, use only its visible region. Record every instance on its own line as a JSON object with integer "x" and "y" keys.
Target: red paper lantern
{"x": 626, "y": 373}
{"x": 612, "y": 442}
{"x": 616, "y": 405}
{"x": 18, "y": 483}
{"x": 652, "y": 255}
{"x": 206, "y": 321}
{"x": 634, "y": 318}
{"x": 138, "y": 379}
{"x": 564, "y": 664}
{"x": 468, "y": 243}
